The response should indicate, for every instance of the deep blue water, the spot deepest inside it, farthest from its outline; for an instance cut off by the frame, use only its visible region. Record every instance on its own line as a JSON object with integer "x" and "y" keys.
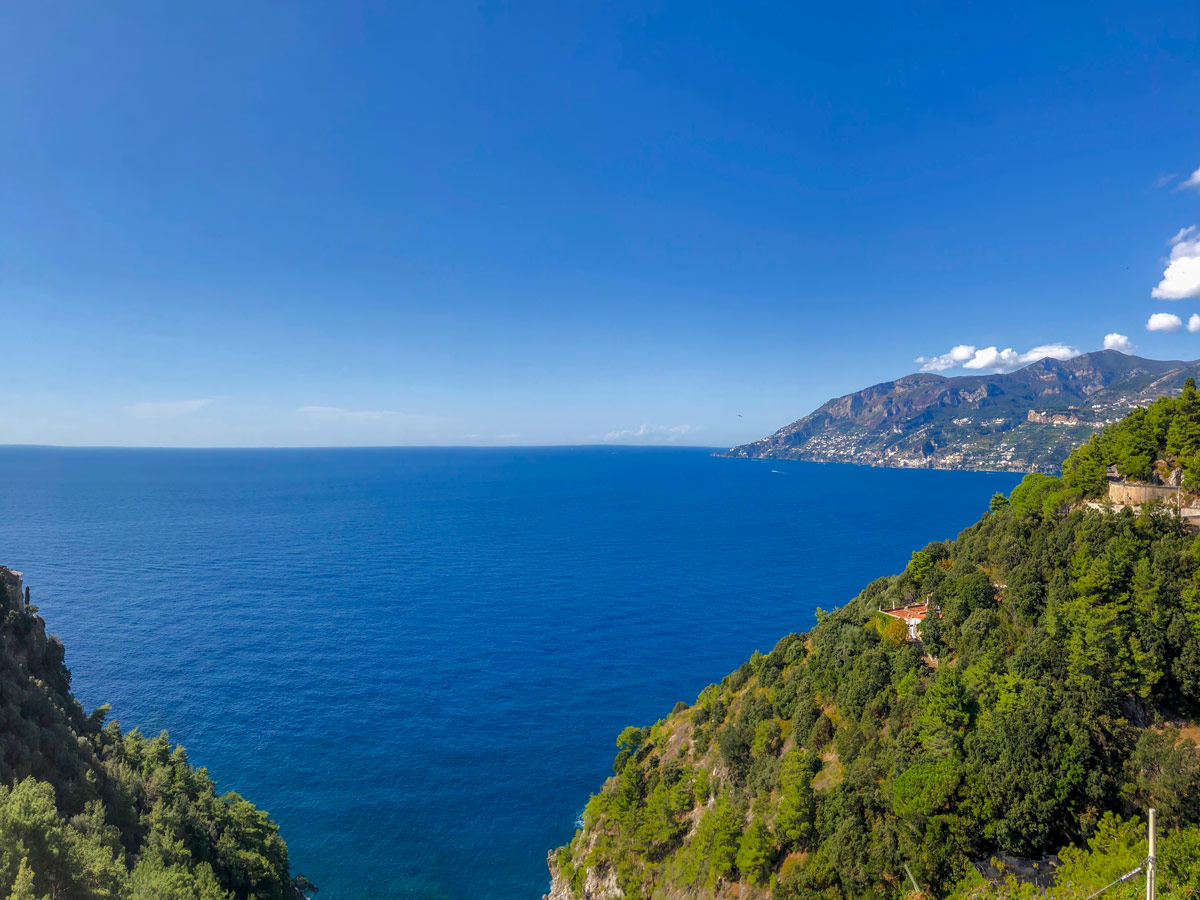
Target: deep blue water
{"x": 418, "y": 660}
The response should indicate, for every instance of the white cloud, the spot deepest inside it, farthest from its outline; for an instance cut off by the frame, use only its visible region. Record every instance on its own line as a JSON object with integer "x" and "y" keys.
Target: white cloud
{"x": 1120, "y": 342}
{"x": 649, "y": 433}
{"x": 956, "y": 357}
{"x": 171, "y": 409}
{"x": 1192, "y": 182}
{"x": 1193, "y": 324}
{"x": 1163, "y": 180}
{"x": 1181, "y": 279}
{"x": 1049, "y": 351}
{"x": 1164, "y": 322}
{"x": 993, "y": 359}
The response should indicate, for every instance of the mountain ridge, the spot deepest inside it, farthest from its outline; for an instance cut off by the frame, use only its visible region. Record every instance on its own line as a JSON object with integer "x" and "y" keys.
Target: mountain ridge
{"x": 1022, "y": 421}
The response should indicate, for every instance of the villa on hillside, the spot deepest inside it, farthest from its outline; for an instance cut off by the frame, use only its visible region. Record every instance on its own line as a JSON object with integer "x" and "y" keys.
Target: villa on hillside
{"x": 912, "y": 617}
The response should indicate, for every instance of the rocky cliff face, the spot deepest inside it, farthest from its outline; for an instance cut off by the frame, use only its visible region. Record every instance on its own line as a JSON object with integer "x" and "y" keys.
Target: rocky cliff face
{"x": 1023, "y": 421}
{"x": 12, "y": 594}
{"x": 596, "y": 886}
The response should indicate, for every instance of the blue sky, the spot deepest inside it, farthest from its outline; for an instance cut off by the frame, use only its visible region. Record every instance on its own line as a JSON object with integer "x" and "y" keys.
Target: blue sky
{"x": 326, "y": 224}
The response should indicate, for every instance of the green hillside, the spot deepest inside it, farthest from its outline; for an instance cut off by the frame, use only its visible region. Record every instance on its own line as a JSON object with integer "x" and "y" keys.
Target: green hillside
{"x": 1052, "y": 701}
{"x": 90, "y": 813}
{"x": 1158, "y": 443}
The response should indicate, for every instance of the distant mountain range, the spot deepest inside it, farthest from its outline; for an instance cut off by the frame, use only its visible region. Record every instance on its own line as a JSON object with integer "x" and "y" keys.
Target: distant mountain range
{"x": 1022, "y": 421}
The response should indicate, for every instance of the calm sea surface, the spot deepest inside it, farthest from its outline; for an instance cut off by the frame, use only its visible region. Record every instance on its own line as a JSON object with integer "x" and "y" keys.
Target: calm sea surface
{"x": 419, "y": 660}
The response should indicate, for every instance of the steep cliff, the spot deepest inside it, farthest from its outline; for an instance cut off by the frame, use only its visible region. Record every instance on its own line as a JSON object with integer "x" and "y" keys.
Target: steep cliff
{"x": 87, "y": 811}
{"x": 1050, "y": 699}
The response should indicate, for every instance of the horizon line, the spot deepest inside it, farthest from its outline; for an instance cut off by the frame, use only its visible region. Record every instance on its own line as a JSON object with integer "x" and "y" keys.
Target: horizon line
{"x": 4, "y": 446}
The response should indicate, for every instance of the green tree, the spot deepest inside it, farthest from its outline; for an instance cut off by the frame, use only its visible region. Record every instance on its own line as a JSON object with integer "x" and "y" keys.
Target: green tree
{"x": 629, "y": 741}
{"x": 768, "y": 737}
{"x": 1115, "y": 848}
{"x": 925, "y": 789}
{"x": 797, "y": 801}
{"x": 920, "y": 565}
{"x": 151, "y": 880}
{"x": 945, "y": 714}
{"x": 65, "y": 859}
{"x": 1030, "y": 496}
{"x": 1183, "y": 432}
{"x": 1167, "y": 776}
{"x": 712, "y": 852}
{"x": 23, "y": 885}
{"x": 1085, "y": 470}
{"x": 755, "y": 852}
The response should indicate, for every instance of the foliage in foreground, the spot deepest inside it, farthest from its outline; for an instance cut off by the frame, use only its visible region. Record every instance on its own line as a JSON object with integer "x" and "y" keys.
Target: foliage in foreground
{"x": 1052, "y": 702}
{"x": 1147, "y": 444}
{"x": 90, "y": 813}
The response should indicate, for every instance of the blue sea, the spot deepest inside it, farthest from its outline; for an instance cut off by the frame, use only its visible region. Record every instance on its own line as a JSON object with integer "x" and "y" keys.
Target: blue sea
{"x": 419, "y": 660}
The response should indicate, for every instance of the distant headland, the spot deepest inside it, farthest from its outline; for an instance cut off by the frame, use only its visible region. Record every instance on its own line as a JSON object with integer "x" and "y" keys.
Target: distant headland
{"x": 1022, "y": 421}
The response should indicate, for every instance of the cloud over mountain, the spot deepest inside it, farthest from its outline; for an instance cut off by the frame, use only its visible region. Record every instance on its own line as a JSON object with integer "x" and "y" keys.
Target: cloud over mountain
{"x": 956, "y": 357}
{"x": 993, "y": 359}
{"x": 1119, "y": 342}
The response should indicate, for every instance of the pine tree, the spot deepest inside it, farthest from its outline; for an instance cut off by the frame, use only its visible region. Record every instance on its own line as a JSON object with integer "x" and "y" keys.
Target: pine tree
{"x": 754, "y": 853}
{"x": 23, "y": 886}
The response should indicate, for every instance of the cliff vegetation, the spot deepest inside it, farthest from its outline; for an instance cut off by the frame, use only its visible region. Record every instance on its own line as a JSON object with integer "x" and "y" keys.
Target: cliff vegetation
{"x": 88, "y": 812}
{"x": 1013, "y": 751}
{"x": 1157, "y": 444}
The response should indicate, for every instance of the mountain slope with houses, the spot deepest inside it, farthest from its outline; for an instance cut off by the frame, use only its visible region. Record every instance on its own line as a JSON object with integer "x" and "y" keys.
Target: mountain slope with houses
{"x": 1022, "y": 421}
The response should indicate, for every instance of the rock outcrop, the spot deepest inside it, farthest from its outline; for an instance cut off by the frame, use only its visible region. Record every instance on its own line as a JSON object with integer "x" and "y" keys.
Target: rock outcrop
{"x": 12, "y": 594}
{"x": 595, "y": 887}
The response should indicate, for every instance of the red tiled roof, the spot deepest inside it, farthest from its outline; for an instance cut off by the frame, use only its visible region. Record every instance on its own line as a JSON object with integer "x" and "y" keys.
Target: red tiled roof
{"x": 917, "y": 612}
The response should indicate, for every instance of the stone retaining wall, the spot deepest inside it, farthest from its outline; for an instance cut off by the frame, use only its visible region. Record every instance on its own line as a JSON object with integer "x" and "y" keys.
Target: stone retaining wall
{"x": 1120, "y": 492}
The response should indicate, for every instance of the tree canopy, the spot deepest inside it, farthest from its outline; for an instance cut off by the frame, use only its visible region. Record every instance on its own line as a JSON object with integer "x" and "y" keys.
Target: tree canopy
{"x": 1146, "y": 445}
{"x": 1048, "y": 706}
{"x": 88, "y": 812}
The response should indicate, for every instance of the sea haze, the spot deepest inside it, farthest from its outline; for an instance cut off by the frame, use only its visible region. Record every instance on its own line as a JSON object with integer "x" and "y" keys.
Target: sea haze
{"x": 418, "y": 660}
